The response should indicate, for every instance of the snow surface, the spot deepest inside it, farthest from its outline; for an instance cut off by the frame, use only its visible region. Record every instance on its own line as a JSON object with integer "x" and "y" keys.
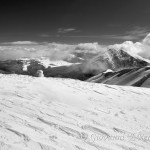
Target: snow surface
{"x": 52, "y": 63}
{"x": 108, "y": 70}
{"x": 66, "y": 114}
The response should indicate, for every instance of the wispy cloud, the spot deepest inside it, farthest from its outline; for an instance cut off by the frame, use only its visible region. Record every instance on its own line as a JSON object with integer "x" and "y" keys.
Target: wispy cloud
{"x": 83, "y": 36}
{"x": 21, "y": 43}
{"x": 108, "y": 36}
{"x": 45, "y": 35}
{"x": 136, "y": 33}
{"x": 114, "y": 25}
{"x": 120, "y": 37}
{"x": 66, "y": 30}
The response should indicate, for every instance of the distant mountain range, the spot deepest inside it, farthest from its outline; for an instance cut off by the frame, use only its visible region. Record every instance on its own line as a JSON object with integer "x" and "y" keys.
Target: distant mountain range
{"x": 85, "y": 66}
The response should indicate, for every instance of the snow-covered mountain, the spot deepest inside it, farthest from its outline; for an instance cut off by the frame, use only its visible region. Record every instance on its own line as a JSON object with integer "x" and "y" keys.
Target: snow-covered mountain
{"x": 66, "y": 114}
{"x": 111, "y": 59}
{"x": 115, "y": 60}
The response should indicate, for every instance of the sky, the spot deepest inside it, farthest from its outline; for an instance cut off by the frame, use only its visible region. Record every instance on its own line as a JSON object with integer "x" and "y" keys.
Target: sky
{"x": 74, "y": 21}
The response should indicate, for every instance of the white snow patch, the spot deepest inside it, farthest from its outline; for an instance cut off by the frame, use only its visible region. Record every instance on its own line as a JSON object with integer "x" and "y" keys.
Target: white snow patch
{"x": 65, "y": 114}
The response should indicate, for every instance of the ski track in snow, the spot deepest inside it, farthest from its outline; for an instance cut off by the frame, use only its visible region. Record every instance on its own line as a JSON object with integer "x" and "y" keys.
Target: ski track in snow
{"x": 66, "y": 114}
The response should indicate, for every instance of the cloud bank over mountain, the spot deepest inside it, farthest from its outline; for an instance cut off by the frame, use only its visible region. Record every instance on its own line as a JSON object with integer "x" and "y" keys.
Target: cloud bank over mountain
{"x": 56, "y": 51}
{"x": 139, "y": 48}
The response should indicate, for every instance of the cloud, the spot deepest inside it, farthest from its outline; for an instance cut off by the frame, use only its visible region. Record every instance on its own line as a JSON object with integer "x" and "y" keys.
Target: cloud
{"x": 66, "y": 30}
{"x": 84, "y": 36}
{"x": 57, "y": 51}
{"x": 129, "y": 46}
{"x": 145, "y": 47}
{"x": 21, "y": 42}
{"x": 45, "y": 35}
{"x": 114, "y": 25}
{"x": 146, "y": 40}
{"x": 138, "y": 48}
{"x": 121, "y": 37}
{"x": 136, "y": 33}
{"x": 21, "y": 49}
{"x": 54, "y": 51}
{"x": 92, "y": 48}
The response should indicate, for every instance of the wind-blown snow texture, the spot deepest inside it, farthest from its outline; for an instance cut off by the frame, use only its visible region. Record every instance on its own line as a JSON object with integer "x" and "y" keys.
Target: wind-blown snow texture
{"x": 66, "y": 114}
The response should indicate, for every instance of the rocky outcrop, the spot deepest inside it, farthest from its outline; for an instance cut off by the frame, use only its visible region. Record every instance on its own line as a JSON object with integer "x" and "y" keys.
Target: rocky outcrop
{"x": 139, "y": 77}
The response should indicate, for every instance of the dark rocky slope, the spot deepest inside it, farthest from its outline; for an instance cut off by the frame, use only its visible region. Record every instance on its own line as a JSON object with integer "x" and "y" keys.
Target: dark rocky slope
{"x": 139, "y": 77}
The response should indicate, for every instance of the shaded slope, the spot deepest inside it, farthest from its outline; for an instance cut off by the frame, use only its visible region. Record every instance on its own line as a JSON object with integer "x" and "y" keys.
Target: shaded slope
{"x": 133, "y": 77}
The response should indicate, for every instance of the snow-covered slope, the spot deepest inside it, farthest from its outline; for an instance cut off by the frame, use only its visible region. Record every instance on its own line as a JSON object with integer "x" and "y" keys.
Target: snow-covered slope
{"x": 66, "y": 114}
